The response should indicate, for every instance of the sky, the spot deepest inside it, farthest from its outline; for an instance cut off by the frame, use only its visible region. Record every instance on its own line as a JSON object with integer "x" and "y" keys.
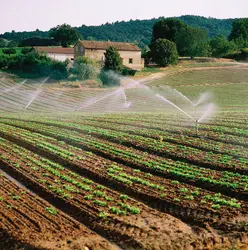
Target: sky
{"x": 27, "y": 15}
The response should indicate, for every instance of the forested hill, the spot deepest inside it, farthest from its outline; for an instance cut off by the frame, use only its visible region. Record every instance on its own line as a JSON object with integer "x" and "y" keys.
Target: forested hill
{"x": 138, "y": 31}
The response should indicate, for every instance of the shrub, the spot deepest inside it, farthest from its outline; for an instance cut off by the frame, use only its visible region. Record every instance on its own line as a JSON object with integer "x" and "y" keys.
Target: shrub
{"x": 127, "y": 71}
{"x": 3, "y": 62}
{"x": 35, "y": 63}
{"x": 26, "y": 50}
{"x": 84, "y": 68}
{"x": 58, "y": 70}
{"x": 9, "y": 51}
{"x": 109, "y": 78}
{"x": 238, "y": 55}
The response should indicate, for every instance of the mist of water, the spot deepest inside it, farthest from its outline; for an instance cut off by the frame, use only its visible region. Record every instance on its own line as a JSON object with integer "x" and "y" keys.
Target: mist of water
{"x": 131, "y": 96}
{"x": 174, "y": 105}
{"x": 13, "y": 88}
{"x": 209, "y": 111}
{"x": 203, "y": 98}
{"x": 35, "y": 95}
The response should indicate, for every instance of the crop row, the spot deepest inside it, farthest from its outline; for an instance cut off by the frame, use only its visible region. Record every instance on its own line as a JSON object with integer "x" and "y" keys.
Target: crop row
{"x": 89, "y": 202}
{"x": 195, "y": 142}
{"x": 224, "y": 181}
{"x": 161, "y": 148}
{"x": 143, "y": 121}
{"x": 186, "y": 124}
{"x": 178, "y": 192}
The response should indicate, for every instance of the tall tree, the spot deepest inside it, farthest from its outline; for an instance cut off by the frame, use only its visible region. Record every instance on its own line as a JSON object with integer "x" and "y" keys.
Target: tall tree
{"x": 109, "y": 74}
{"x": 64, "y": 34}
{"x": 113, "y": 59}
{"x": 192, "y": 42}
{"x": 220, "y": 46}
{"x": 167, "y": 29}
{"x": 164, "y": 52}
{"x": 239, "y": 32}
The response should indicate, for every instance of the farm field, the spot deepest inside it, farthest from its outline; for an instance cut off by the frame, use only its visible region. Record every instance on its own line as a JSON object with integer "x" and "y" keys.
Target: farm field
{"x": 80, "y": 170}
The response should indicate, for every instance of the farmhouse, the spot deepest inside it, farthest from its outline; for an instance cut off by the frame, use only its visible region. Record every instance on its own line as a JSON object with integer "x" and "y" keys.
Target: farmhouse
{"x": 130, "y": 53}
{"x": 58, "y": 53}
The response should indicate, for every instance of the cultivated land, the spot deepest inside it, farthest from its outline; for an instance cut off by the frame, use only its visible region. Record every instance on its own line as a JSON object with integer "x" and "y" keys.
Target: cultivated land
{"x": 134, "y": 180}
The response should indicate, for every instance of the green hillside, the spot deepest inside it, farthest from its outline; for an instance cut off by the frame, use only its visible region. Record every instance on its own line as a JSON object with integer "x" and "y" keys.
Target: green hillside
{"x": 138, "y": 31}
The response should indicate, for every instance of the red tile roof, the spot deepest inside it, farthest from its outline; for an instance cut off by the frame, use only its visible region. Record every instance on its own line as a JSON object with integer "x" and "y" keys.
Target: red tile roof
{"x": 55, "y": 50}
{"x": 106, "y": 45}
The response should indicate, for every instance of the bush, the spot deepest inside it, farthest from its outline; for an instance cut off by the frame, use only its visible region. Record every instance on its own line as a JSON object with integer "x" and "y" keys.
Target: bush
{"x": 9, "y": 51}
{"x": 164, "y": 52}
{"x": 238, "y": 55}
{"x": 14, "y": 63}
{"x": 3, "y": 62}
{"x": 84, "y": 68}
{"x": 109, "y": 78}
{"x": 127, "y": 71}
{"x": 27, "y": 50}
{"x": 58, "y": 70}
{"x": 35, "y": 63}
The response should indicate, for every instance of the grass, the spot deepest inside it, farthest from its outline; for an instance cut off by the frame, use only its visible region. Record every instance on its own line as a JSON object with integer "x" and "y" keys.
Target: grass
{"x": 227, "y": 86}
{"x": 147, "y": 71}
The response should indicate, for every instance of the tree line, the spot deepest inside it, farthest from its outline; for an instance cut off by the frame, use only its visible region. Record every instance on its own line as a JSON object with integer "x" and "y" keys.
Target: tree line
{"x": 136, "y": 31}
{"x": 171, "y": 38}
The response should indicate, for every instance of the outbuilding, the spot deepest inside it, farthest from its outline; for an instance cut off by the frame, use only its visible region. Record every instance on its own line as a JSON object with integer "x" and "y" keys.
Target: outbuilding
{"x": 57, "y": 53}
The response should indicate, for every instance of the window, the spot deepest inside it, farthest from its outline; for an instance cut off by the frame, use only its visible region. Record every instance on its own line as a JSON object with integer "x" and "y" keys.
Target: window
{"x": 130, "y": 60}
{"x": 81, "y": 49}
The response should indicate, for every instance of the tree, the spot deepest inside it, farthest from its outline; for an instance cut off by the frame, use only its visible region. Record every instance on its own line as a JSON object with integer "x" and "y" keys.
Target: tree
{"x": 37, "y": 41}
{"x": 220, "y": 46}
{"x": 64, "y": 34}
{"x": 84, "y": 68}
{"x": 3, "y": 43}
{"x": 192, "y": 42}
{"x": 239, "y": 32}
{"x": 12, "y": 44}
{"x": 113, "y": 59}
{"x": 109, "y": 74}
{"x": 9, "y": 51}
{"x": 167, "y": 29}
{"x": 164, "y": 52}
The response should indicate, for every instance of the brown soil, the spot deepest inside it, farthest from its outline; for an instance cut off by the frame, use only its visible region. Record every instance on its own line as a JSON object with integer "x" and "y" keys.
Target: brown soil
{"x": 25, "y": 223}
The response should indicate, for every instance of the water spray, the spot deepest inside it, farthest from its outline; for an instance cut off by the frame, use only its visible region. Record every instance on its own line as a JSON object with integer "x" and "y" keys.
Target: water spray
{"x": 37, "y": 93}
{"x": 13, "y": 88}
{"x": 209, "y": 110}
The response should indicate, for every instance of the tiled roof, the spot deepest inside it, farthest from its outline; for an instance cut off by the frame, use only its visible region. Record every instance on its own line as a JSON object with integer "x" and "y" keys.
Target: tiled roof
{"x": 55, "y": 50}
{"x": 106, "y": 45}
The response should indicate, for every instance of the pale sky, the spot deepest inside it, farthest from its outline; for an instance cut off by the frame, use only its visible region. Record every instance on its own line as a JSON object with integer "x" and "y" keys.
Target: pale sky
{"x": 26, "y": 15}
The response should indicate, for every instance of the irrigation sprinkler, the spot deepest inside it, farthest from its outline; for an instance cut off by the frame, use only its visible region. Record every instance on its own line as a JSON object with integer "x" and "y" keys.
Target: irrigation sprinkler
{"x": 197, "y": 124}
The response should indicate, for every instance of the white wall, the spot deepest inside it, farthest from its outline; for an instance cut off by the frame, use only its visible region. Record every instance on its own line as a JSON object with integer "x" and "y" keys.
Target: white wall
{"x": 61, "y": 57}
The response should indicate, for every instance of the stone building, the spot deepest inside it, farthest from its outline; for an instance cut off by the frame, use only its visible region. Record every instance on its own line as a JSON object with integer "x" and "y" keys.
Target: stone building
{"x": 57, "y": 53}
{"x": 130, "y": 53}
